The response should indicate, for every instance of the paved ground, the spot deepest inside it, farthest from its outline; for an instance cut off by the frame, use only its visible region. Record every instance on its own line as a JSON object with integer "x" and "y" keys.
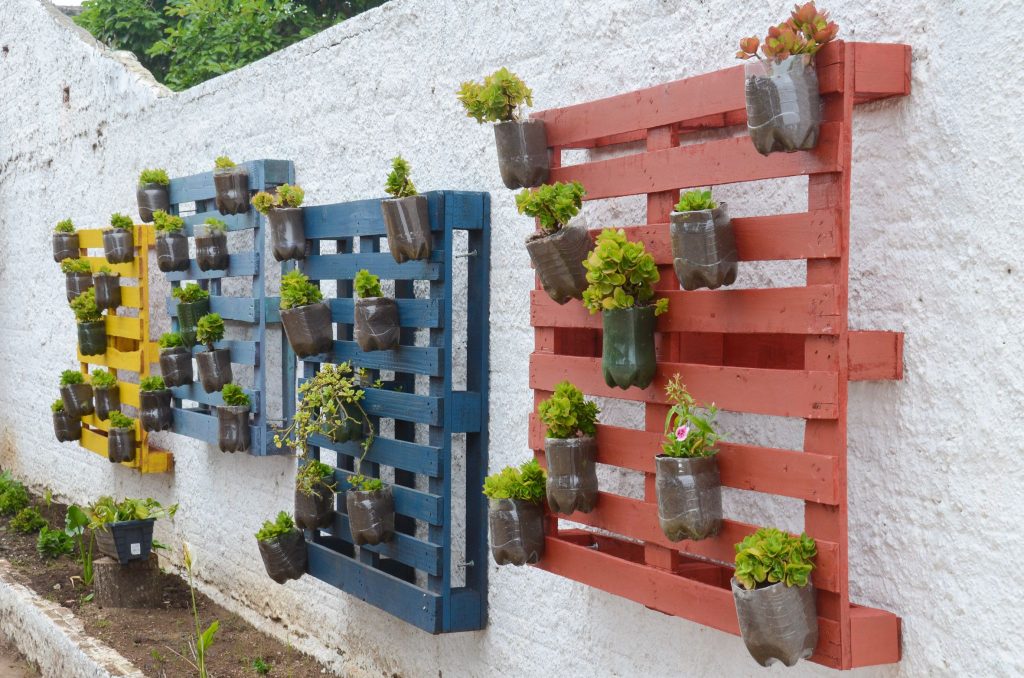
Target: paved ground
{"x": 11, "y": 663}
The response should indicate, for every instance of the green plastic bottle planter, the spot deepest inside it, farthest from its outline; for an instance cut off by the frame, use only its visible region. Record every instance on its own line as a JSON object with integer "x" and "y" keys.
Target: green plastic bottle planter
{"x": 628, "y": 357}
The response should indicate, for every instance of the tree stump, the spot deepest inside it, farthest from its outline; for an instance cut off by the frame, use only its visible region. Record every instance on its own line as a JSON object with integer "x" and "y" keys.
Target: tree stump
{"x": 136, "y": 584}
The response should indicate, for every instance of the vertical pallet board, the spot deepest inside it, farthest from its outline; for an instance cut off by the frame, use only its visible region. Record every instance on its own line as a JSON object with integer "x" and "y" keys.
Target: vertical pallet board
{"x": 199, "y": 420}
{"x": 128, "y": 347}
{"x": 777, "y": 351}
{"x": 411, "y": 575}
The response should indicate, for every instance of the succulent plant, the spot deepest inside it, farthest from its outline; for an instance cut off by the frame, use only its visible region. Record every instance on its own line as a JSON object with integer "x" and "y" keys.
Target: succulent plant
{"x": 224, "y": 162}
{"x": 121, "y": 420}
{"x": 71, "y": 377}
{"x": 280, "y": 527}
{"x": 167, "y": 223}
{"x": 75, "y": 266}
{"x": 312, "y": 475}
{"x": 770, "y": 556}
{"x": 154, "y": 383}
{"x": 214, "y": 225}
{"x": 118, "y": 220}
{"x": 171, "y": 340}
{"x": 527, "y": 482}
{"x": 190, "y": 293}
{"x": 398, "y": 184}
{"x": 553, "y": 204}
{"x": 694, "y": 200}
{"x": 621, "y": 274}
{"x": 57, "y": 405}
{"x": 65, "y": 226}
{"x": 498, "y": 98}
{"x": 154, "y": 176}
{"x": 210, "y": 329}
{"x": 567, "y": 414}
{"x": 234, "y": 396}
{"x": 85, "y": 308}
{"x": 367, "y": 285}
{"x": 805, "y": 32}
{"x": 297, "y": 290}
{"x": 286, "y": 195}
{"x": 103, "y": 379}
{"x": 361, "y": 483}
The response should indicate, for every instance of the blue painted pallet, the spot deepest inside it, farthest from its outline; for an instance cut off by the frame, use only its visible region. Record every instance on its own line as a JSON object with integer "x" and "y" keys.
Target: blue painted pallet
{"x": 194, "y": 414}
{"x": 410, "y": 576}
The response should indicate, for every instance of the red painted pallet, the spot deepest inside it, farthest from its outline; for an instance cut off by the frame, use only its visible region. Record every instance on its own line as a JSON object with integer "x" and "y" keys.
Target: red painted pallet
{"x": 781, "y": 351}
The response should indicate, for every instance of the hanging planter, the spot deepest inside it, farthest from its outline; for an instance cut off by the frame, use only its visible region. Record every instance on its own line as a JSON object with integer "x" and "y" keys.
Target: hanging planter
{"x": 703, "y": 244}
{"x": 76, "y": 394}
{"x": 65, "y": 241}
{"x": 124, "y": 530}
{"x": 406, "y": 217}
{"x": 522, "y": 144}
{"x": 66, "y": 426}
{"x": 108, "y": 288}
{"x": 118, "y": 243}
{"x": 628, "y": 357}
{"x": 306, "y": 319}
{"x": 314, "y": 495}
{"x": 233, "y": 433}
{"x": 376, "y": 316}
{"x": 193, "y": 304}
{"x": 121, "y": 438}
{"x": 152, "y": 193}
{"x": 77, "y": 277}
{"x": 283, "y": 549}
{"x": 212, "y": 245}
{"x": 92, "y": 329}
{"x": 287, "y": 231}
{"x": 515, "y": 513}
{"x": 570, "y": 450}
{"x": 557, "y": 250}
{"x": 775, "y": 601}
{"x": 171, "y": 242}
{"x": 175, "y": 360}
{"x": 371, "y": 510}
{"x": 155, "y": 404}
{"x": 106, "y": 393}
{"x": 231, "y": 182}
{"x": 214, "y": 363}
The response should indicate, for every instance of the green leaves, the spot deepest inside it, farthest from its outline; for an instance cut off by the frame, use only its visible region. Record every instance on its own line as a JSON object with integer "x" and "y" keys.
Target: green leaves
{"x": 154, "y": 176}
{"x": 28, "y": 521}
{"x": 621, "y": 274}
{"x": 121, "y": 221}
{"x": 57, "y": 406}
{"x": 770, "y": 556}
{"x": 234, "y": 396}
{"x": 53, "y": 543}
{"x": 361, "y": 483}
{"x": 526, "y": 482}
{"x": 205, "y": 639}
{"x": 190, "y": 293}
{"x": 85, "y": 308}
{"x": 312, "y": 474}
{"x": 285, "y": 195}
{"x": 210, "y": 329}
{"x": 75, "y": 266}
{"x": 167, "y": 223}
{"x": 398, "y": 183}
{"x": 213, "y": 225}
{"x": 327, "y": 402}
{"x": 71, "y": 377}
{"x": 154, "y": 383}
{"x": 567, "y": 414}
{"x": 120, "y": 420}
{"x": 367, "y": 285}
{"x": 497, "y": 99}
{"x": 223, "y": 162}
{"x": 65, "y": 226}
{"x": 170, "y": 340}
{"x": 281, "y": 526}
{"x": 553, "y": 204}
{"x": 297, "y": 290}
{"x": 103, "y": 379}
{"x": 696, "y": 199}
{"x": 687, "y": 433}
{"x": 105, "y": 510}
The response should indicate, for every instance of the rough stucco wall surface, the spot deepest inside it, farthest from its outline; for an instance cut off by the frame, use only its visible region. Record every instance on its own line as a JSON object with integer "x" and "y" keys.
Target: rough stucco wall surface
{"x": 936, "y": 471}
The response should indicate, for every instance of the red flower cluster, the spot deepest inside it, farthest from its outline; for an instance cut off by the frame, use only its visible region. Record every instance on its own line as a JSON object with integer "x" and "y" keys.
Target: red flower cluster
{"x": 804, "y": 32}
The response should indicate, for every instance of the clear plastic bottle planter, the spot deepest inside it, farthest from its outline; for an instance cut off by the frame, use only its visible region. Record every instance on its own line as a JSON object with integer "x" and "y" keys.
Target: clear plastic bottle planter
{"x": 189, "y": 314}
{"x": 232, "y": 186}
{"x": 76, "y": 283}
{"x": 65, "y": 246}
{"x": 284, "y": 557}
{"x": 287, "y": 233}
{"x": 121, "y": 445}
{"x": 407, "y": 221}
{"x": 778, "y": 623}
{"x": 572, "y": 474}
{"x": 211, "y": 249}
{"x": 77, "y": 399}
{"x": 66, "y": 427}
{"x": 155, "y": 410}
{"x": 558, "y": 259}
{"x": 371, "y": 515}
{"x": 308, "y": 329}
{"x": 628, "y": 357}
{"x": 92, "y": 338}
{"x": 151, "y": 197}
{"x": 783, "y": 104}
{"x": 517, "y": 531}
{"x": 118, "y": 245}
{"x": 315, "y": 511}
{"x": 233, "y": 433}
{"x": 126, "y": 540}
{"x": 176, "y": 366}
{"x": 108, "y": 399}
{"x": 704, "y": 248}
{"x": 689, "y": 494}
{"x": 522, "y": 153}
{"x": 172, "y": 252}
{"x": 214, "y": 369}
{"x": 108, "y": 289}
{"x": 376, "y": 324}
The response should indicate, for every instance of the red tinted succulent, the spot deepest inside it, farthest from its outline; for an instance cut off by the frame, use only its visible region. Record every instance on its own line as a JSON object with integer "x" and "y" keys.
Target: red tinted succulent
{"x": 804, "y": 32}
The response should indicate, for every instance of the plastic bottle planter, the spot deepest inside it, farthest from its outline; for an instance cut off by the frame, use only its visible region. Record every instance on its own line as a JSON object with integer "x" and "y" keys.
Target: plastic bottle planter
{"x": 628, "y": 357}
{"x": 287, "y": 233}
{"x": 214, "y": 368}
{"x": 704, "y": 248}
{"x": 66, "y": 427}
{"x": 371, "y": 515}
{"x": 408, "y": 225}
{"x": 349, "y": 430}
{"x": 188, "y": 318}
{"x": 92, "y": 338}
{"x": 689, "y": 496}
{"x": 522, "y": 153}
{"x": 517, "y": 531}
{"x": 118, "y": 245}
{"x": 65, "y": 246}
{"x": 172, "y": 252}
{"x": 108, "y": 289}
{"x": 308, "y": 329}
{"x": 151, "y": 197}
{"x": 121, "y": 445}
{"x": 126, "y": 540}
{"x": 572, "y": 474}
{"x": 232, "y": 186}
{"x": 76, "y": 283}
{"x": 176, "y": 366}
{"x": 376, "y": 324}
{"x": 155, "y": 410}
{"x": 783, "y": 104}
{"x": 211, "y": 250}
{"x": 77, "y": 399}
{"x": 233, "y": 433}
{"x": 314, "y": 511}
{"x": 777, "y": 622}
{"x": 284, "y": 557}
{"x": 108, "y": 399}
{"x": 558, "y": 259}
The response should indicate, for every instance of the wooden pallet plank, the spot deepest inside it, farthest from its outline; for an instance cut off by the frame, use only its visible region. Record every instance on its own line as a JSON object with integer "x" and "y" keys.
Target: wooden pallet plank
{"x": 408, "y": 501}
{"x": 122, "y": 326}
{"x": 880, "y": 71}
{"x": 262, "y": 173}
{"x": 359, "y": 218}
{"x": 411, "y": 312}
{"x": 241, "y": 309}
{"x": 401, "y": 406}
{"x": 345, "y": 266}
{"x": 400, "y": 454}
{"x": 414, "y": 359}
{"x": 194, "y": 393}
{"x": 240, "y": 264}
{"x": 242, "y": 352}
{"x": 200, "y": 425}
{"x": 114, "y": 359}
{"x": 875, "y": 356}
{"x": 874, "y": 637}
{"x": 416, "y": 553}
{"x": 232, "y": 222}
{"x": 129, "y": 270}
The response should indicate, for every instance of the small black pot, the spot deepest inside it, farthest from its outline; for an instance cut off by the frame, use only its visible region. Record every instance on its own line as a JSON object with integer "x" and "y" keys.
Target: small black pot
{"x": 77, "y": 399}
{"x": 316, "y": 510}
{"x": 778, "y": 623}
{"x": 65, "y": 246}
{"x": 212, "y": 251}
{"x": 308, "y": 329}
{"x": 783, "y": 104}
{"x": 76, "y": 283}
{"x": 628, "y": 357}
{"x": 407, "y": 221}
{"x": 558, "y": 259}
{"x": 126, "y": 540}
{"x": 287, "y": 233}
{"x": 118, "y": 245}
{"x": 522, "y": 153}
{"x": 66, "y": 427}
{"x": 188, "y": 319}
{"x": 107, "y": 400}
{"x": 232, "y": 186}
{"x": 704, "y": 248}
{"x": 155, "y": 410}
{"x": 517, "y": 531}
{"x": 108, "y": 289}
{"x": 121, "y": 445}
{"x": 214, "y": 369}
{"x": 284, "y": 557}
{"x": 176, "y": 366}
{"x": 371, "y": 515}
{"x": 233, "y": 433}
{"x": 151, "y": 197}
{"x": 172, "y": 252}
{"x": 376, "y": 326}
{"x": 92, "y": 338}
{"x": 572, "y": 474}
{"x": 689, "y": 494}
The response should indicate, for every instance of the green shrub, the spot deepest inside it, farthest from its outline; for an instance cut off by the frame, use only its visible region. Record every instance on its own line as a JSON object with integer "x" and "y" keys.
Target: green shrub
{"x": 52, "y": 543}
{"x": 105, "y": 511}
{"x": 234, "y": 396}
{"x": 224, "y": 162}
{"x": 361, "y": 483}
{"x": 282, "y": 526}
{"x": 567, "y": 414}
{"x": 13, "y": 498}
{"x": 105, "y": 270}
{"x": 214, "y": 225}
{"x": 311, "y": 475}
{"x": 154, "y": 176}
{"x": 367, "y": 285}
{"x": 118, "y": 220}
{"x": 694, "y": 200}
{"x": 688, "y": 434}
{"x": 120, "y": 420}
{"x": 210, "y": 329}
{"x": 103, "y": 379}
{"x": 297, "y": 290}
{"x": 398, "y": 184}
{"x": 497, "y": 98}
{"x": 621, "y": 274}
{"x": 260, "y": 666}
{"x": 526, "y": 482}
{"x": 85, "y": 308}
{"x": 190, "y": 293}
{"x": 553, "y": 204}
{"x": 154, "y": 383}
{"x": 167, "y": 223}
{"x": 328, "y": 401}
{"x": 770, "y": 556}
{"x": 285, "y": 196}
{"x": 28, "y": 521}
{"x": 65, "y": 226}
{"x": 71, "y": 377}
{"x": 75, "y": 266}
{"x": 171, "y": 340}
{"x": 57, "y": 406}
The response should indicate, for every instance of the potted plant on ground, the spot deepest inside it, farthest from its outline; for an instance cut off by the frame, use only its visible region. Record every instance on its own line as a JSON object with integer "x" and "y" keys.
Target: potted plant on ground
{"x": 515, "y": 513}
{"x": 108, "y": 287}
{"x": 687, "y": 483}
{"x": 152, "y": 194}
{"x": 314, "y": 495}
{"x": 121, "y": 438}
{"x": 622, "y": 275}
{"x": 77, "y": 277}
{"x": 774, "y": 596}
{"x": 118, "y": 243}
{"x": 406, "y": 217}
{"x": 193, "y": 304}
{"x": 703, "y": 243}
{"x": 124, "y": 529}
{"x": 212, "y": 245}
{"x": 376, "y": 316}
{"x": 65, "y": 241}
{"x": 214, "y": 363}
{"x": 557, "y": 250}
{"x": 287, "y": 230}
{"x": 175, "y": 360}
{"x": 155, "y": 404}
{"x": 330, "y": 404}
{"x": 231, "y": 182}
{"x": 371, "y": 510}
{"x": 522, "y": 144}
{"x": 783, "y": 102}
{"x": 282, "y": 548}
{"x": 92, "y": 328}
{"x": 171, "y": 242}
{"x": 66, "y": 426}
{"x": 305, "y": 316}
{"x": 106, "y": 393}
{"x": 570, "y": 449}
{"x": 233, "y": 434}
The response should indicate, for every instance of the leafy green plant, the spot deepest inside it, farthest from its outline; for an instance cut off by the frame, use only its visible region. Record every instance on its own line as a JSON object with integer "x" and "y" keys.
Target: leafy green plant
{"x": 167, "y": 223}
{"x": 297, "y": 290}
{"x": 105, "y": 511}
{"x": 621, "y": 275}
{"x": 687, "y": 433}
{"x": 694, "y": 200}
{"x": 75, "y": 266}
{"x": 65, "y": 226}
{"x": 28, "y": 521}
{"x": 171, "y": 340}
{"x": 552, "y": 204}
{"x": 76, "y": 520}
{"x": 567, "y": 414}
{"x": 280, "y": 527}
{"x": 234, "y": 396}
{"x": 260, "y": 666}
{"x": 328, "y": 401}
{"x": 497, "y": 99}
{"x": 311, "y": 475}
{"x": 154, "y": 176}
{"x": 120, "y": 420}
{"x": 398, "y": 184}
{"x": 53, "y": 543}
{"x": 367, "y": 285}
{"x": 224, "y": 162}
{"x": 805, "y": 32}
{"x": 118, "y": 220}
{"x": 57, "y": 406}
{"x": 204, "y": 637}
{"x": 361, "y": 483}
{"x": 210, "y": 329}
{"x": 190, "y": 293}
{"x": 285, "y": 196}
{"x": 214, "y": 225}
{"x": 104, "y": 270}
{"x": 103, "y": 379}
{"x": 71, "y": 378}
{"x": 526, "y": 482}
{"x": 85, "y": 308}
{"x": 770, "y": 556}
{"x": 13, "y": 498}
{"x": 154, "y": 383}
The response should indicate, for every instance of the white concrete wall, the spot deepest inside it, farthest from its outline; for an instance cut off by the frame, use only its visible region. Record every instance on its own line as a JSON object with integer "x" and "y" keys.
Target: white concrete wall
{"x": 936, "y": 471}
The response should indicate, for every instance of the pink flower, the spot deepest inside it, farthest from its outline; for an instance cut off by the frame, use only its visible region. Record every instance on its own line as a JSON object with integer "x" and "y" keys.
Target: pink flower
{"x": 682, "y": 432}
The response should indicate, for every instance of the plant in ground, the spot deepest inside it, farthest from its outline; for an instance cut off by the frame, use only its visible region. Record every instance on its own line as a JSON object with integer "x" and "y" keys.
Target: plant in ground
{"x": 328, "y": 401}
{"x": 28, "y": 521}
{"x": 687, "y": 433}
{"x": 621, "y": 274}
{"x": 526, "y": 483}
{"x": 805, "y": 32}
{"x": 234, "y": 396}
{"x": 71, "y": 378}
{"x": 281, "y": 526}
{"x": 398, "y": 184}
{"x": 367, "y": 285}
{"x": 75, "y": 266}
{"x": 361, "y": 483}
{"x": 65, "y": 226}
{"x": 167, "y": 223}
{"x": 57, "y": 405}
{"x": 105, "y": 510}
{"x": 13, "y": 498}
{"x": 190, "y": 293}
{"x": 770, "y": 556}
{"x": 224, "y": 162}
{"x": 154, "y": 176}
{"x": 75, "y": 523}
{"x": 297, "y": 290}
{"x": 85, "y": 308}
{"x": 210, "y": 329}
{"x": 260, "y": 666}
{"x": 120, "y": 420}
{"x": 286, "y": 195}
{"x": 154, "y": 383}
{"x": 694, "y": 200}
{"x": 103, "y": 379}
{"x": 214, "y": 225}
{"x": 170, "y": 340}
{"x": 118, "y": 220}
{"x": 53, "y": 543}
{"x": 311, "y": 475}
{"x": 204, "y": 637}
{"x": 567, "y": 414}
{"x": 497, "y": 99}
{"x": 552, "y": 204}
